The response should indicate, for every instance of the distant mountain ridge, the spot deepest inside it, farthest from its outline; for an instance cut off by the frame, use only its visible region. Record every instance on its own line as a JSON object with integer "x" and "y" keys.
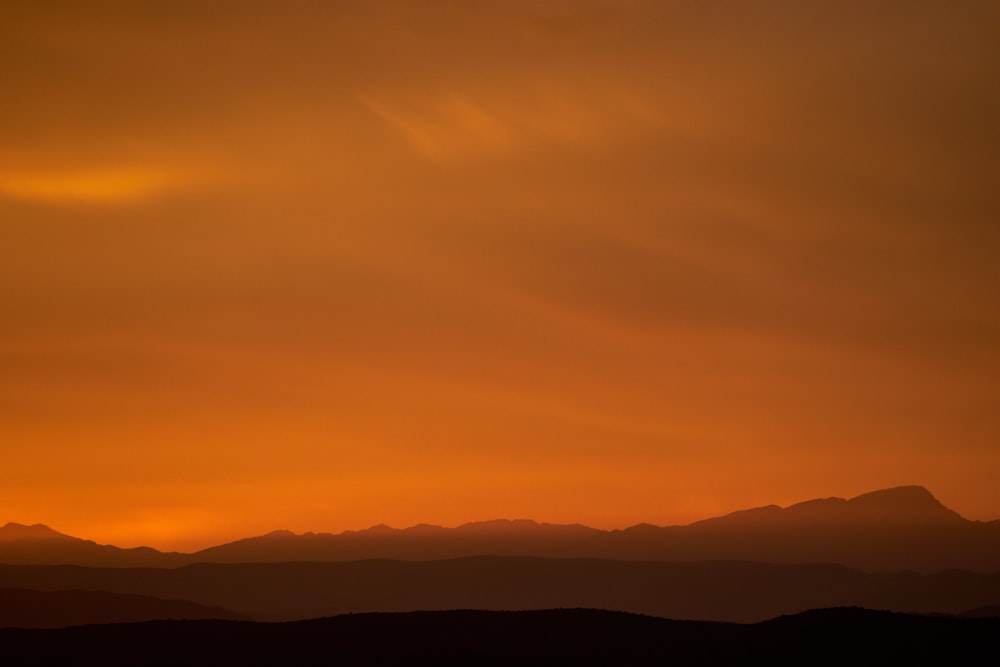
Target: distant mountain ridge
{"x": 16, "y": 531}
{"x": 717, "y": 591}
{"x": 902, "y": 528}
{"x": 39, "y": 544}
{"x": 903, "y": 503}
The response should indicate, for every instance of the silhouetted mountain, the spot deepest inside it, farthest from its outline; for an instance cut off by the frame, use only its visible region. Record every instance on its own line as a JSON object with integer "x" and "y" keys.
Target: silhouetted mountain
{"x": 547, "y": 637}
{"x": 39, "y": 544}
{"x": 900, "y": 505}
{"x": 422, "y": 542}
{"x": 22, "y": 608}
{"x": 14, "y": 532}
{"x": 904, "y": 528}
{"x": 721, "y": 591}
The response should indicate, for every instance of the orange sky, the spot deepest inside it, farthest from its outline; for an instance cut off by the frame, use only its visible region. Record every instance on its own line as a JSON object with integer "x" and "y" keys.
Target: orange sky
{"x": 319, "y": 265}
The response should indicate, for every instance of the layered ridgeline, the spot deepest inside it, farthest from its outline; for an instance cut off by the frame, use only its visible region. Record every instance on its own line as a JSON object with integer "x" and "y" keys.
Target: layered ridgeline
{"x": 715, "y": 590}
{"x": 903, "y": 528}
{"x": 897, "y": 549}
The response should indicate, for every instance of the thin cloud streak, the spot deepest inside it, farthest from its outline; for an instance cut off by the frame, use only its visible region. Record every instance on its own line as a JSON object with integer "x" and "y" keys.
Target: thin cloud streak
{"x": 121, "y": 185}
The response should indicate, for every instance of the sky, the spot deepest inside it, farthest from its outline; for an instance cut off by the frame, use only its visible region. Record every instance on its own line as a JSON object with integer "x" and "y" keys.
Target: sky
{"x": 321, "y": 265}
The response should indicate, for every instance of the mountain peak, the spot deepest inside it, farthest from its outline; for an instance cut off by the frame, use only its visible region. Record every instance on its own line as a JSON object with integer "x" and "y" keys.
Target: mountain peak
{"x": 911, "y": 500}
{"x": 898, "y": 495}
{"x": 18, "y": 531}
{"x": 280, "y": 534}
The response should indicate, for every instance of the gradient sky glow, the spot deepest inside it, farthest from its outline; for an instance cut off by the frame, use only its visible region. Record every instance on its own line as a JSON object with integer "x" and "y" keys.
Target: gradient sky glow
{"x": 320, "y": 265}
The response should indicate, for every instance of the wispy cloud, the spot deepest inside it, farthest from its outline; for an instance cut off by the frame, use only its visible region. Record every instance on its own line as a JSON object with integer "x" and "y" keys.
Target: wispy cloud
{"x": 514, "y": 118}
{"x": 453, "y": 127}
{"x": 90, "y": 186}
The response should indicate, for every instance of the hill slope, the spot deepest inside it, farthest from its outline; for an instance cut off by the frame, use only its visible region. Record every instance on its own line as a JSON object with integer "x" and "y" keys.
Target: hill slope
{"x": 22, "y": 608}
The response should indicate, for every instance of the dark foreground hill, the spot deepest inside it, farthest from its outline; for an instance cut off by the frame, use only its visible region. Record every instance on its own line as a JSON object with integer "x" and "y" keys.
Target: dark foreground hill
{"x": 550, "y": 637}
{"x": 904, "y": 528}
{"x": 718, "y": 591}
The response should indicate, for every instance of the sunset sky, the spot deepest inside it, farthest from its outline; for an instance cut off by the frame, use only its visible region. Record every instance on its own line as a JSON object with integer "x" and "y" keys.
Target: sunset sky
{"x": 320, "y": 265}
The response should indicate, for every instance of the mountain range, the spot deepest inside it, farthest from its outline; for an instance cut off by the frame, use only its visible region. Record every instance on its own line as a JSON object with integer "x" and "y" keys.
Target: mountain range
{"x": 897, "y": 529}
{"x": 896, "y": 549}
